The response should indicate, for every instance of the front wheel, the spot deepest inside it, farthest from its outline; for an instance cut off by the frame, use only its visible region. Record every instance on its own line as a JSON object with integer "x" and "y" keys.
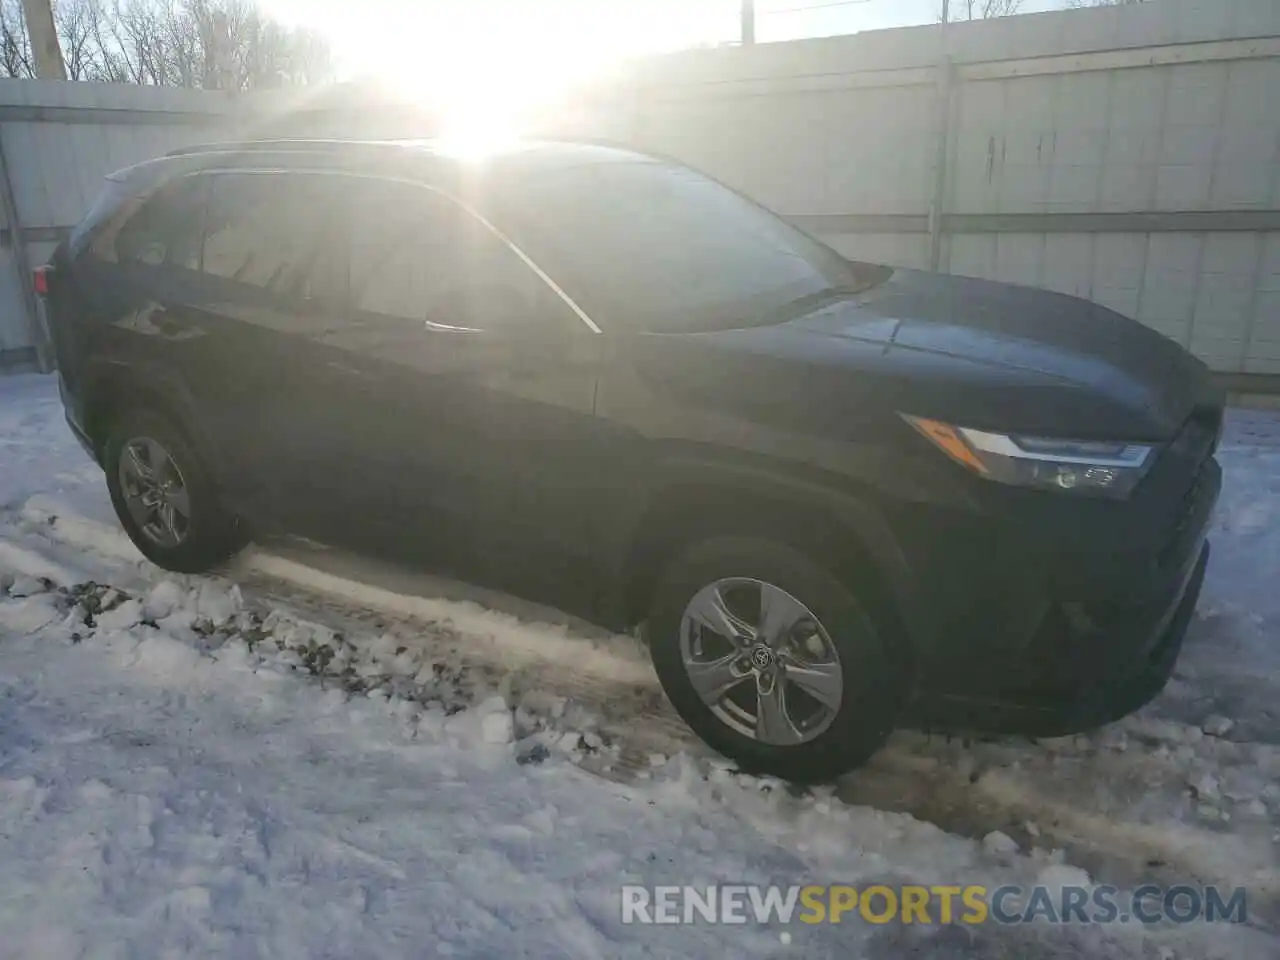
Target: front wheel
{"x": 164, "y": 496}
{"x": 772, "y": 660}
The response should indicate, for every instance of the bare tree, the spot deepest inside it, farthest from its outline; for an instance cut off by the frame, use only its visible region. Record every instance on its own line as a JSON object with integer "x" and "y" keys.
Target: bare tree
{"x": 79, "y": 25}
{"x": 183, "y": 46}
{"x": 224, "y": 44}
{"x": 139, "y": 32}
{"x": 982, "y": 9}
{"x": 15, "y": 47}
{"x": 309, "y": 60}
{"x": 112, "y": 67}
{"x": 70, "y": 17}
{"x": 236, "y": 47}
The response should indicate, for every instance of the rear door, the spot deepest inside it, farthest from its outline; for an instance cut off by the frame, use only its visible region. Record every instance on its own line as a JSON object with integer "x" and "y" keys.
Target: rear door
{"x": 139, "y": 273}
{"x": 115, "y": 261}
{"x": 265, "y": 290}
{"x": 208, "y": 284}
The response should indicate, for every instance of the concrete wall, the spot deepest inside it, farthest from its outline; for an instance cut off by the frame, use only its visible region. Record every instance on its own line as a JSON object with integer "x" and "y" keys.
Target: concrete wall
{"x": 1130, "y": 155}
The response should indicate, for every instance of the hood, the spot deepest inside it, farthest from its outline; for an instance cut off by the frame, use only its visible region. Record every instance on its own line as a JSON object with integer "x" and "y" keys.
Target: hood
{"x": 1006, "y": 357}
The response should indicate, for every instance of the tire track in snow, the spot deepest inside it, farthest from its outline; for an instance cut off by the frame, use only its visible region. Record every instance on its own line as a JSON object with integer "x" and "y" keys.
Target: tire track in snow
{"x": 968, "y": 789}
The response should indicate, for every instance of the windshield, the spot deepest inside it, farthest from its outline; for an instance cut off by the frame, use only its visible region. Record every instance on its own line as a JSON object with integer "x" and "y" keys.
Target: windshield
{"x": 647, "y": 246}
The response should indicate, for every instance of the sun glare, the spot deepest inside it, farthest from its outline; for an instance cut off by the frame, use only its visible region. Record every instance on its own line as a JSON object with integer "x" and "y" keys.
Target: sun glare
{"x": 474, "y": 131}
{"x": 485, "y": 67}
{"x": 485, "y": 90}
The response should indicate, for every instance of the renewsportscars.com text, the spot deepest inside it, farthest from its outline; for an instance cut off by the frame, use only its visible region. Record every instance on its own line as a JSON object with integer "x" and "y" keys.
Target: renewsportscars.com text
{"x": 910, "y": 903}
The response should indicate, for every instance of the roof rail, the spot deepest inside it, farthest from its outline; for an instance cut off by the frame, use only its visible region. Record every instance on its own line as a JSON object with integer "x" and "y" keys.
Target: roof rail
{"x": 238, "y": 146}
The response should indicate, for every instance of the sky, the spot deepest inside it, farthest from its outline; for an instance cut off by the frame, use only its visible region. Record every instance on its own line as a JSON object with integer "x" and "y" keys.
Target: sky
{"x": 490, "y": 48}
{"x": 609, "y": 27}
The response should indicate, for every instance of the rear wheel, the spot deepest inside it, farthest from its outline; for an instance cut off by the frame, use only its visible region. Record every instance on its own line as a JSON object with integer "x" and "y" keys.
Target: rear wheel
{"x": 772, "y": 660}
{"x": 164, "y": 496}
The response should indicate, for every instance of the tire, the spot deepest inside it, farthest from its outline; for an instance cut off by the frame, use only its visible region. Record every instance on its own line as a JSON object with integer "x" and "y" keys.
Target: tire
{"x": 874, "y": 688}
{"x": 210, "y": 534}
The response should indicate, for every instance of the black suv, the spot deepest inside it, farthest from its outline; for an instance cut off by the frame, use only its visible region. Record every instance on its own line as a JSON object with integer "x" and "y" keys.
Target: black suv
{"x": 839, "y": 496}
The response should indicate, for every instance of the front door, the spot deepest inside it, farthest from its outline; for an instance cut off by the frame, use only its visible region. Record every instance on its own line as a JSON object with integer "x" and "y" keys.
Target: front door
{"x": 458, "y": 387}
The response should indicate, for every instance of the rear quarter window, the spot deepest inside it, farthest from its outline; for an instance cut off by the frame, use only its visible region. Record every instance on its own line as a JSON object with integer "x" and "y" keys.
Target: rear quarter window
{"x": 163, "y": 227}
{"x": 113, "y": 196}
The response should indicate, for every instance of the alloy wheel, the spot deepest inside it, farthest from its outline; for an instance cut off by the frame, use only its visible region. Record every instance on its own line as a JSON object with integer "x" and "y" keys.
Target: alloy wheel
{"x": 155, "y": 492}
{"x": 761, "y": 661}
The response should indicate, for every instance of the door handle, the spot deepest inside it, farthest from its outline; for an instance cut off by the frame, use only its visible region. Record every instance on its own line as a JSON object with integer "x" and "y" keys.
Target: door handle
{"x": 169, "y": 324}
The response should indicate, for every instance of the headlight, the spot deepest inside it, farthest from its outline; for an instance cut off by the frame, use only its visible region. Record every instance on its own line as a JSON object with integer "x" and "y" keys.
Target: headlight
{"x": 1081, "y": 466}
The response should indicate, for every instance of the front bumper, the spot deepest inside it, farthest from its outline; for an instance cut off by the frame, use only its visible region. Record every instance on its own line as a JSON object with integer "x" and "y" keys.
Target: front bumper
{"x": 1058, "y": 626}
{"x": 1082, "y": 705}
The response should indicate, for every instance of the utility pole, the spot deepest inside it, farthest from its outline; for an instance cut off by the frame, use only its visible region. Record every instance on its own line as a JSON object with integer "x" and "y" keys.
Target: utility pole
{"x": 748, "y": 22}
{"x": 44, "y": 40}
{"x": 942, "y": 135}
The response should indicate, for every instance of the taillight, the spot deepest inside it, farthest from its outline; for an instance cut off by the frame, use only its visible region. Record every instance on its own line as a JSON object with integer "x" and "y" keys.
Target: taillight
{"x": 40, "y": 279}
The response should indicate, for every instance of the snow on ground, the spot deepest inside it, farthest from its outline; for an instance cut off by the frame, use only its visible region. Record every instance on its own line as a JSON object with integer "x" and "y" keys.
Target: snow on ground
{"x": 321, "y": 756}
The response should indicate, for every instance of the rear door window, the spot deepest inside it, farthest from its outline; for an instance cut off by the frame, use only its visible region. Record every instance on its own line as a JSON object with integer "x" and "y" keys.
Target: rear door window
{"x": 265, "y": 230}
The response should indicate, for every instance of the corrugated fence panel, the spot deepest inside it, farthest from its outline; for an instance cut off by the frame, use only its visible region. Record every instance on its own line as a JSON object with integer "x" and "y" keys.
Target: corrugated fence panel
{"x": 14, "y": 335}
{"x": 23, "y": 153}
{"x": 879, "y": 152}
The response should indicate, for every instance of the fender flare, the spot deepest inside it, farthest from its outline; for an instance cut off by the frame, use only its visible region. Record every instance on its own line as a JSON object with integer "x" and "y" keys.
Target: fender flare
{"x": 111, "y": 386}
{"x": 865, "y": 526}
